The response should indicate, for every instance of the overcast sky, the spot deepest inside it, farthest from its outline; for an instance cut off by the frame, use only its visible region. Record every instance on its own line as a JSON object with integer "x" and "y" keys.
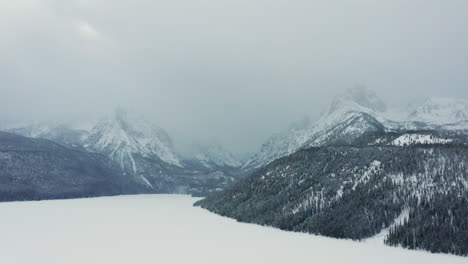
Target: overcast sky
{"x": 234, "y": 71}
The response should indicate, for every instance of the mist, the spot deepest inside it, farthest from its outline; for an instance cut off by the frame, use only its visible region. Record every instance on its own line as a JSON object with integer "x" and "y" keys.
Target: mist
{"x": 233, "y": 72}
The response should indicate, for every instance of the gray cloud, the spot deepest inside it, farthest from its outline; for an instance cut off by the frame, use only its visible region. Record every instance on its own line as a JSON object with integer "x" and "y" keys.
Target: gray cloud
{"x": 233, "y": 71}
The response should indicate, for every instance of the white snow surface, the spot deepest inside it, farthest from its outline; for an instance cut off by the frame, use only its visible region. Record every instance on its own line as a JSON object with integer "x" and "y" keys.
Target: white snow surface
{"x": 168, "y": 229}
{"x": 440, "y": 111}
{"x": 411, "y": 139}
{"x": 146, "y": 181}
{"x": 380, "y": 237}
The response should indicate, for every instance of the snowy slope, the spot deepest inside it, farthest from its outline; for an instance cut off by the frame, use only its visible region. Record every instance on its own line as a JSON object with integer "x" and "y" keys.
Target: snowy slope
{"x": 349, "y": 115}
{"x": 123, "y": 136}
{"x": 144, "y": 153}
{"x": 33, "y": 169}
{"x": 33, "y": 130}
{"x": 441, "y": 111}
{"x": 122, "y": 230}
{"x": 412, "y": 139}
{"x": 360, "y": 111}
{"x": 61, "y": 133}
{"x": 279, "y": 145}
{"x": 213, "y": 155}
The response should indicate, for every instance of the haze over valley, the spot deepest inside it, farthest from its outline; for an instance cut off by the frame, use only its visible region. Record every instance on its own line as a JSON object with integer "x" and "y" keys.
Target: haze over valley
{"x": 233, "y": 131}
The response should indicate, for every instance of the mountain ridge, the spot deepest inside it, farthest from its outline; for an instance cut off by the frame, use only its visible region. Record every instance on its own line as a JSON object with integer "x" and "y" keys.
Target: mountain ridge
{"x": 360, "y": 103}
{"x": 36, "y": 169}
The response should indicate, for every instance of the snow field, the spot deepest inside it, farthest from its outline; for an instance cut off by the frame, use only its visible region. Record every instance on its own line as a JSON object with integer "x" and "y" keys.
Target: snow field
{"x": 168, "y": 229}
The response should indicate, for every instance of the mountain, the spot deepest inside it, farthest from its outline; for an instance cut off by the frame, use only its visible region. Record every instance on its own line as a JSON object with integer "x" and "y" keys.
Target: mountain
{"x": 32, "y": 169}
{"x": 213, "y": 156}
{"x": 350, "y": 115}
{"x": 441, "y": 111}
{"x": 123, "y": 136}
{"x": 343, "y": 130}
{"x": 119, "y": 136}
{"x": 279, "y": 145}
{"x": 359, "y": 99}
{"x": 146, "y": 152}
{"x": 359, "y": 111}
{"x": 412, "y": 188}
{"x": 57, "y": 132}
{"x": 143, "y": 152}
{"x": 33, "y": 130}
{"x": 361, "y": 171}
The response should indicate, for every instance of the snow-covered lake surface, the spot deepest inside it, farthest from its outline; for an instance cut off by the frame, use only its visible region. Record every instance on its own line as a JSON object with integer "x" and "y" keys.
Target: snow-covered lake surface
{"x": 167, "y": 229}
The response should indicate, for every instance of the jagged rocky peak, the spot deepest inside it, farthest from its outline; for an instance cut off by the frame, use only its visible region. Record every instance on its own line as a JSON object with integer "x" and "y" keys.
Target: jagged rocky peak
{"x": 349, "y": 116}
{"x": 360, "y": 99}
{"x": 125, "y": 134}
{"x": 440, "y": 111}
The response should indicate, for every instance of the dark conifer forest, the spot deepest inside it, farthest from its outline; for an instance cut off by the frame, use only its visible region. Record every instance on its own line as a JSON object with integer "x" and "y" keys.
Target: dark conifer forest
{"x": 358, "y": 191}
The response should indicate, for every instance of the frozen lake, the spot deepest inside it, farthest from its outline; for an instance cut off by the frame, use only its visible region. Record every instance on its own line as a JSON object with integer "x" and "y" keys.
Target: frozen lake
{"x": 167, "y": 229}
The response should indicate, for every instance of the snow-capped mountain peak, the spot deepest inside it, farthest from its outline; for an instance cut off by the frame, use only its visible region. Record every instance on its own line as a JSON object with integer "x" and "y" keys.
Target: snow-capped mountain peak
{"x": 349, "y": 115}
{"x": 124, "y": 135}
{"x": 359, "y": 99}
{"x": 441, "y": 111}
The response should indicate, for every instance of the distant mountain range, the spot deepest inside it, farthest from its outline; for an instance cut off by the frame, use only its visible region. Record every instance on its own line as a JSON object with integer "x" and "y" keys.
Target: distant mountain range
{"x": 145, "y": 153}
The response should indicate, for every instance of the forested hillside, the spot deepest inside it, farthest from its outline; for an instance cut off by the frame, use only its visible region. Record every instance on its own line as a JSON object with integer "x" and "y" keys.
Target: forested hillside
{"x": 35, "y": 169}
{"x": 358, "y": 191}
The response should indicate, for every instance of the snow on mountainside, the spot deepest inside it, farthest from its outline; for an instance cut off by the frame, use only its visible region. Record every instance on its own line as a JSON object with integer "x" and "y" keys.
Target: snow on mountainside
{"x": 360, "y": 111}
{"x": 358, "y": 99}
{"x": 359, "y": 191}
{"x": 123, "y": 135}
{"x": 349, "y": 116}
{"x": 142, "y": 152}
{"x": 33, "y": 130}
{"x": 32, "y": 168}
{"x": 60, "y": 133}
{"x": 441, "y": 111}
{"x": 279, "y": 145}
{"x": 213, "y": 155}
{"x": 412, "y": 139}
